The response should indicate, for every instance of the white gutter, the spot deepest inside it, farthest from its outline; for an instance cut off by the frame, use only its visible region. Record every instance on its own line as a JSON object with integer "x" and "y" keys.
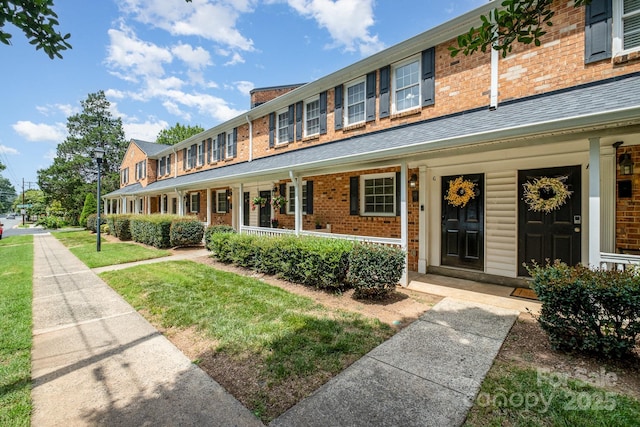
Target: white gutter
{"x": 175, "y": 167}
{"x": 250, "y": 137}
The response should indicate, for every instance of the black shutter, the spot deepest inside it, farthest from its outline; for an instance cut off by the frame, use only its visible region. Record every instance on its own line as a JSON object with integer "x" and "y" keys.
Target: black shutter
{"x": 235, "y": 142}
{"x": 428, "y": 76}
{"x": 337, "y": 111}
{"x": 597, "y": 32}
{"x": 283, "y": 192}
{"x": 193, "y": 154}
{"x": 169, "y": 164}
{"x": 227, "y": 195}
{"x": 272, "y": 129}
{"x": 309, "y": 207}
{"x": 398, "y": 195}
{"x": 158, "y": 161}
{"x": 385, "y": 104}
{"x": 223, "y": 145}
{"x": 292, "y": 109}
{"x": 299, "y": 120}
{"x": 184, "y": 159}
{"x": 370, "y": 108}
{"x": 354, "y": 195}
{"x": 209, "y": 150}
{"x": 323, "y": 112}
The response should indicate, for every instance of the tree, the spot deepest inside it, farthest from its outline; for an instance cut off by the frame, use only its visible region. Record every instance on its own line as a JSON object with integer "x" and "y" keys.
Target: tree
{"x": 7, "y": 194}
{"x": 74, "y": 170}
{"x": 177, "y": 133}
{"x": 521, "y": 21}
{"x": 32, "y": 198}
{"x": 38, "y": 22}
{"x": 90, "y": 207}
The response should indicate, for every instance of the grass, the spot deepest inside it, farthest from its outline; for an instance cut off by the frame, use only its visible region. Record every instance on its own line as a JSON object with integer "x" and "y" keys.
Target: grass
{"x": 16, "y": 271}
{"x": 83, "y": 245}
{"x": 515, "y": 396}
{"x": 289, "y": 337}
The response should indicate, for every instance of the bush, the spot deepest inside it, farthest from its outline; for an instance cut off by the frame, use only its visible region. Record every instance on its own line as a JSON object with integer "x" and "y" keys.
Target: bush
{"x": 92, "y": 221}
{"x": 121, "y": 227}
{"x": 215, "y": 229}
{"x": 374, "y": 270}
{"x": 186, "y": 232}
{"x": 152, "y": 230}
{"x": 595, "y": 311}
{"x": 90, "y": 207}
{"x": 51, "y": 222}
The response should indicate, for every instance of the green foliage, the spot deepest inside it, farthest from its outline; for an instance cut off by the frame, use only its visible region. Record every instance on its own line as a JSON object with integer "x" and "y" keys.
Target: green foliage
{"x": 92, "y": 222}
{"x": 374, "y": 270}
{"x": 90, "y": 207}
{"x": 38, "y": 22}
{"x": 51, "y": 222}
{"x": 177, "y": 133}
{"x": 152, "y": 230}
{"x": 214, "y": 229}
{"x": 594, "y": 311}
{"x": 186, "y": 232}
{"x": 121, "y": 227}
{"x": 521, "y": 21}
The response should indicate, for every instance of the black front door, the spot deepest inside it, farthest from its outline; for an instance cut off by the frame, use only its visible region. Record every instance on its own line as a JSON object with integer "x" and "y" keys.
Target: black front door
{"x": 463, "y": 224}
{"x": 265, "y": 211}
{"x": 246, "y": 205}
{"x": 551, "y": 235}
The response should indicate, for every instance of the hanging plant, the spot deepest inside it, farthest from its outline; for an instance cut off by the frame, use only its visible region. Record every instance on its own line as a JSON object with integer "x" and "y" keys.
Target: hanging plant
{"x": 461, "y": 191}
{"x": 546, "y": 194}
{"x": 278, "y": 201}
{"x": 258, "y": 201}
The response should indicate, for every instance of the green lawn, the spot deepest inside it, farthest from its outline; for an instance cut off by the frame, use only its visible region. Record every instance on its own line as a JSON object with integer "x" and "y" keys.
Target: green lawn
{"x": 16, "y": 271}
{"x": 83, "y": 245}
{"x": 288, "y": 336}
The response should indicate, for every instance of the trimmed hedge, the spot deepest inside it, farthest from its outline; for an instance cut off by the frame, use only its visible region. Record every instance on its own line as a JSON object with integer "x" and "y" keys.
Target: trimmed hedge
{"x": 595, "y": 311}
{"x": 322, "y": 263}
{"x": 152, "y": 230}
{"x": 92, "y": 221}
{"x": 186, "y": 232}
{"x": 214, "y": 229}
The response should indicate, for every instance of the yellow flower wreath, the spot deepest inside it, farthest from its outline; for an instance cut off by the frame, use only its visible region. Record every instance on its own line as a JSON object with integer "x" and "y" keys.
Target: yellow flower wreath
{"x": 460, "y": 192}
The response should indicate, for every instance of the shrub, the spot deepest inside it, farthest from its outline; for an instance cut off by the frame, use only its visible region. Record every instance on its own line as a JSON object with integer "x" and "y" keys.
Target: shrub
{"x": 92, "y": 221}
{"x": 215, "y": 229}
{"x": 152, "y": 230}
{"x": 51, "y": 222}
{"x": 104, "y": 229}
{"x": 219, "y": 245}
{"x": 595, "y": 311}
{"x": 186, "y": 232}
{"x": 122, "y": 227}
{"x": 374, "y": 270}
{"x": 90, "y": 207}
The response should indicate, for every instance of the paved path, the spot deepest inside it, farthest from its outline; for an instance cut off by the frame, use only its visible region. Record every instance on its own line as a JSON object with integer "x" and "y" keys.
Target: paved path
{"x": 96, "y": 361}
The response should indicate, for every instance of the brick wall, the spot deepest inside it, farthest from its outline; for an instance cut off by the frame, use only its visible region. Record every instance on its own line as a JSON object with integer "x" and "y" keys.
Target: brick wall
{"x": 260, "y": 96}
{"x": 628, "y": 208}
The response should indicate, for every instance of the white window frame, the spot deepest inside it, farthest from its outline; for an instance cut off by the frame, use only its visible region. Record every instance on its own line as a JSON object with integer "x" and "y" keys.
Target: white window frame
{"x": 200, "y": 154}
{"x": 193, "y": 201}
{"x": 282, "y": 137}
{"x": 125, "y": 176}
{"x": 221, "y": 195}
{"x": 167, "y": 164}
{"x": 291, "y": 200}
{"x": 618, "y": 28}
{"x": 395, "y": 88}
{"x": 162, "y": 166}
{"x": 307, "y": 118}
{"x": 229, "y": 145}
{"x": 346, "y": 104}
{"x": 363, "y": 204}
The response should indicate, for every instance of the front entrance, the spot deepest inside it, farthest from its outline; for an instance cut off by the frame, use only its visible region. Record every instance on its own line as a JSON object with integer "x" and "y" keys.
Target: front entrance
{"x": 264, "y": 213}
{"x": 555, "y": 234}
{"x": 246, "y": 205}
{"x": 463, "y": 222}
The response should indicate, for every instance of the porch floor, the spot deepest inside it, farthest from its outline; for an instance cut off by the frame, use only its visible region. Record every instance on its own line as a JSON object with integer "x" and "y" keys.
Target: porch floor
{"x": 485, "y": 293}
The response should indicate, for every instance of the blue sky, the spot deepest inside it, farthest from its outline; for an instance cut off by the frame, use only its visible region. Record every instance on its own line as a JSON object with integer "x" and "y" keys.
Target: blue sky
{"x": 162, "y": 62}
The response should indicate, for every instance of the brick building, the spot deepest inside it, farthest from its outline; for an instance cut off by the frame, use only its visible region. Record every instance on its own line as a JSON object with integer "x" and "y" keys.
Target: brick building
{"x": 475, "y": 165}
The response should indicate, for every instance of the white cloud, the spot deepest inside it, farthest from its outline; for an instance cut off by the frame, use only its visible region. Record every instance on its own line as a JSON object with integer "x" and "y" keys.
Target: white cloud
{"x": 48, "y": 110}
{"x": 40, "y": 131}
{"x": 131, "y": 56}
{"x": 347, "y": 21}
{"x": 197, "y": 58}
{"x": 147, "y": 131}
{"x": 236, "y": 58}
{"x": 244, "y": 86}
{"x": 8, "y": 150}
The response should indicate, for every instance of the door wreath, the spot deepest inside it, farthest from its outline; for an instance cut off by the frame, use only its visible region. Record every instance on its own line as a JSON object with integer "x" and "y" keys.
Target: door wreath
{"x": 546, "y": 194}
{"x": 460, "y": 192}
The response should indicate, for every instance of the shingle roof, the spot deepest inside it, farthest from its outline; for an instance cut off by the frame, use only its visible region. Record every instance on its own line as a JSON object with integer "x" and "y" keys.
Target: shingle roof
{"x": 149, "y": 148}
{"x": 596, "y": 104}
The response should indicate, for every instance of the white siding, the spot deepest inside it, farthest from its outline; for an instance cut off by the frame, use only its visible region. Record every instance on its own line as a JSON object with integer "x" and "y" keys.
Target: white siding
{"x": 501, "y": 234}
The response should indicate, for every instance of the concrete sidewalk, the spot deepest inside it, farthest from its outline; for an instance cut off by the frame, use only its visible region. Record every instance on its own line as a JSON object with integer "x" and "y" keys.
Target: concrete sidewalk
{"x": 96, "y": 361}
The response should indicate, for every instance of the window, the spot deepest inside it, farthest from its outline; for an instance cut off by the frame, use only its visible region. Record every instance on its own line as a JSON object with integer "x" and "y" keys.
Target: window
{"x": 378, "y": 194}
{"x": 169, "y": 164}
{"x": 221, "y": 201}
{"x": 406, "y": 86}
{"x": 229, "y": 146}
{"x": 194, "y": 204}
{"x": 282, "y": 127}
{"x": 200, "y": 156}
{"x": 627, "y": 33}
{"x": 291, "y": 203}
{"x": 141, "y": 170}
{"x": 355, "y": 103}
{"x": 162, "y": 168}
{"x": 312, "y": 117}
{"x": 124, "y": 176}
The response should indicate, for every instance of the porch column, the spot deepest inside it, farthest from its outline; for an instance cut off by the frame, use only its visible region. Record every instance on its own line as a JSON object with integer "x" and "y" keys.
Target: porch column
{"x": 608, "y": 199}
{"x": 234, "y": 202}
{"x": 240, "y": 205}
{"x": 124, "y": 205}
{"x": 422, "y": 221}
{"x": 297, "y": 185}
{"x": 594, "y": 202}
{"x": 148, "y": 199}
{"x": 180, "y": 203}
{"x": 209, "y": 206}
{"x": 404, "y": 225}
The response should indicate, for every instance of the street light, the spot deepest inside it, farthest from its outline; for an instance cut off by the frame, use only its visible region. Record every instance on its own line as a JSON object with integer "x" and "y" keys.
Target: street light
{"x": 98, "y": 153}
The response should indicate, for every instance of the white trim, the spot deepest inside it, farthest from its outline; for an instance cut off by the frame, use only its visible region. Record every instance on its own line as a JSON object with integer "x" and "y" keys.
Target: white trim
{"x": 305, "y": 118}
{"x": 363, "y": 179}
{"x": 278, "y": 135}
{"x": 618, "y": 28}
{"x": 362, "y": 80}
{"x": 217, "y": 201}
{"x": 302, "y": 199}
{"x": 594, "y": 202}
{"x": 394, "y": 69}
{"x": 191, "y": 202}
{"x": 228, "y": 138}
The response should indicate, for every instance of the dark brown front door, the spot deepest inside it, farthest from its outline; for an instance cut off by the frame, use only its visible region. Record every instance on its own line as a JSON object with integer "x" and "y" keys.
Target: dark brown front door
{"x": 265, "y": 211}
{"x": 553, "y": 235}
{"x": 463, "y": 227}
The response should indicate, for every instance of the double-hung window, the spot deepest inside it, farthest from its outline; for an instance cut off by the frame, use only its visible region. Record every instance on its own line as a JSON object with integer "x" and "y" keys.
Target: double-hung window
{"x": 406, "y": 85}
{"x": 194, "y": 202}
{"x": 221, "y": 201}
{"x": 229, "y": 145}
{"x": 291, "y": 203}
{"x": 312, "y": 117}
{"x": 282, "y": 127}
{"x": 355, "y": 102}
{"x": 163, "y": 166}
{"x": 141, "y": 170}
{"x": 200, "y": 156}
{"x": 378, "y": 194}
{"x": 124, "y": 173}
{"x": 626, "y": 25}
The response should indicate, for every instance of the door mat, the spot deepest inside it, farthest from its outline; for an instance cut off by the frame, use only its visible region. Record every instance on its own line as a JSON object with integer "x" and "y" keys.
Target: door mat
{"x": 524, "y": 293}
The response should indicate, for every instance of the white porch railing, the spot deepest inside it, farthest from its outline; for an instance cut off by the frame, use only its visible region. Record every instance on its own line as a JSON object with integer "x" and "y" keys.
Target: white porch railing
{"x": 610, "y": 261}
{"x": 263, "y": 231}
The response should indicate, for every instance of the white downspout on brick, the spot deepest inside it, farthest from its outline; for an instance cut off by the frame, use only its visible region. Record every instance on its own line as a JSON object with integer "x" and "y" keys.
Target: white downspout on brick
{"x": 250, "y": 137}
{"x": 495, "y": 58}
{"x": 404, "y": 223}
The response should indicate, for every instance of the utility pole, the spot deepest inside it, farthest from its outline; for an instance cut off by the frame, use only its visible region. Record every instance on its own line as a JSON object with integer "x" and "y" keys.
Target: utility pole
{"x": 23, "y": 210}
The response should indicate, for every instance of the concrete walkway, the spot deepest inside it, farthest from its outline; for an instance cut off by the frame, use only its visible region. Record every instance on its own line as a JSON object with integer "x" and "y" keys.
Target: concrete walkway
{"x": 96, "y": 361}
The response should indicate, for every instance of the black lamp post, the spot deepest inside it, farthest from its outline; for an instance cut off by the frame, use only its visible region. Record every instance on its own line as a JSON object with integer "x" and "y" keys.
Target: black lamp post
{"x": 98, "y": 153}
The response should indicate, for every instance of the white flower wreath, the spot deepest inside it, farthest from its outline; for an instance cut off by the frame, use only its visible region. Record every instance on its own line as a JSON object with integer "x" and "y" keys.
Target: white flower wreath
{"x": 546, "y": 194}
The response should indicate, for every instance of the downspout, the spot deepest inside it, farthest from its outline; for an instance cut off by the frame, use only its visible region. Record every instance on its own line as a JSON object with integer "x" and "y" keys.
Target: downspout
{"x": 250, "y": 137}
{"x": 175, "y": 167}
{"x": 297, "y": 204}
{"x": 495, "y": 58}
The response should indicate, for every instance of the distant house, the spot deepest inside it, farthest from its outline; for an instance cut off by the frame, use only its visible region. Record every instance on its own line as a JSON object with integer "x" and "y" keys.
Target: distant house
{"x": 475, "y": 165}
